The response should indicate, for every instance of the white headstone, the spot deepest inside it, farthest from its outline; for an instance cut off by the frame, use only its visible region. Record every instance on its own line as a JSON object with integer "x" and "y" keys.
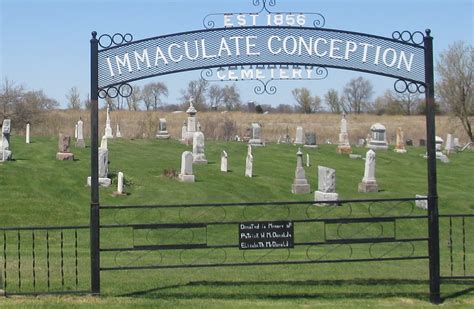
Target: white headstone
{"x": 75, "y": 131}
{"x": 400, "y": 144}
{"x": 456, "y": 142}
{"x": 103, "y": 143}
{"x": 423, "y": 204}
{"x": 378, "y": 137}
{"x": 162, "y": 130}
{"x": 300, "y": 184}
{"x": 80, "y": 134}
{"x": 326, "y": 185}
{"x": 117, "y": 131}
{"x": 198, "y": 148}
{"x": 299, "y": 136}
{"x": 224, "y": 157}
{"x": 192, "y": 122}
{"x": 307, "y": 160}
{"x": 186, "y": 174}
{"x": 108, "y": 128}
{"x": 344, "y": 146}
{"x": 249, "y": 162}
{"x": 28, "y": 133}
{"x": 5, "y": 146}
{"x": 120, "y": 183}
{"x": 449, "y": 147}
{"x": 184, "y": 131}
{"x": 104, "y": 179}
{"x": 255, "y": 139}
{"x": 438, "y": 143}
{"x": 369, "y": 183}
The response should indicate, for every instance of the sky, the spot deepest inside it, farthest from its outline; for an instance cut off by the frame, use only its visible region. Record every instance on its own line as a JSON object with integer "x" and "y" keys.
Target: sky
{"x": 44, "y": 44}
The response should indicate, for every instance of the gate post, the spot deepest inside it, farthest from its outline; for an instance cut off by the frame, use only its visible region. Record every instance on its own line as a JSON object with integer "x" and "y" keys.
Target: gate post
{"x": 433, "y": 220}
{"x": 94, "y": 214}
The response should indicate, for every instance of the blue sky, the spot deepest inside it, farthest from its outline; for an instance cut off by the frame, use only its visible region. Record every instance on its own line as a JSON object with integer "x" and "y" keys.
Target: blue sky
{"x": 45, "y": 44}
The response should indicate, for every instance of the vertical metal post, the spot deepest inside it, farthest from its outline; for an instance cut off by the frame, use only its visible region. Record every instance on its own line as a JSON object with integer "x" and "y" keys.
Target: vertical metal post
{"x": 94, "y": 215}
{"x": 433, "y": 220}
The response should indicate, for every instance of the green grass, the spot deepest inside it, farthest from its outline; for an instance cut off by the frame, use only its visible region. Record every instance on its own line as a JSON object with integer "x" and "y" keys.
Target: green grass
{"x": 37, "y": 190}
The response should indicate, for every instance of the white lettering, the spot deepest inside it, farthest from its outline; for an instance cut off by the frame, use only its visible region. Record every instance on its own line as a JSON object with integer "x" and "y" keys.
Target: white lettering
{"x": 204, "y": 55}
{"x": 333, "y": 48}
{"x": 366, "y": 50}
{"x": 142, "y": 58}
{"x": 224, "y": 47}
{"x": 109, "y": 63}
{"x": 186, "y": 50}
{"x": 316, "y": 47}
{"x": 285, "y": 45}
{"x": 170, "y": 53}
{"x": 250, "y": 45}
{"x": 403, "y": 57}
{"x": 160, "y": 55}
{"x": 377, "y": 55}
{"x": 270, "y": 46}
{"x": 227, "y": 20}
{"x": 124, "y": 62}
{"x": 394, "y": 57}
{"x": 247, "y": 74}
{"x": 303, "y": 43}
{"x": 350, "y": 48}
{"x": 237, "y": 43}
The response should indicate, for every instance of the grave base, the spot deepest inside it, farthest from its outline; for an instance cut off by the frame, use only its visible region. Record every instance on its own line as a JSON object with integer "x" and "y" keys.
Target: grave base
{"x": 186, "y": 178}
{"x": 5, "y": 154}
{"x": 344, "y": 149}
{"x": 320, "y": 196}
{"x": 103, "y": 182}
{"x": 300, "y": 188}
{"x": 199, "y": 159}
{"x": 256, "y": 143}
{"x": 162, "y": 135}
{"x": 368, "y": 187}
{"x": 80, "y": 143}
{"x": 64, "y": 156}
{"x": 400, "y": 150}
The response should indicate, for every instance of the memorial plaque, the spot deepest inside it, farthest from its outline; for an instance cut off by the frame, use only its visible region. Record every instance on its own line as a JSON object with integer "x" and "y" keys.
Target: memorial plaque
{"x": 266, "y": 235}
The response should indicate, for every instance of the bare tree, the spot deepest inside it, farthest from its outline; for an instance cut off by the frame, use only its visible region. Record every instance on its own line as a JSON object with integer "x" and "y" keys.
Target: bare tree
{"x": 216, "y": 95}
{"x": 455, "y": 84}
{"x": 31, "y": 107}
{"x": 331, "y": 98}
{"x": 196, "y": 89}
{"x": 151, "y": 95}
{"x": 306, "y": 103}
{"x": 74, "y": 98}
{"x": 408, "y": 102}
{"x": 133, "y": 100}
{"x": 231, "y": 97}
{"x": 10, "y": 95}
{"x": 87, "y": 102}
{"x": 357, "y": 93}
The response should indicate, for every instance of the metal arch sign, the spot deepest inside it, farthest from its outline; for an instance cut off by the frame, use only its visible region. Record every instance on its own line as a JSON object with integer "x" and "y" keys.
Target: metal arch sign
{"x": 261, "y": 46}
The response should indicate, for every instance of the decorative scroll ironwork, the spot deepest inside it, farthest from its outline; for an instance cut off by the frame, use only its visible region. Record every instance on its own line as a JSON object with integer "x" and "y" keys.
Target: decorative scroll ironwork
{"x": 395, "y": 245}
{"x": 317, "y": 19}
{"x": 416, "y": 37}
{"x": 403, "y": 86}
{"x": 124, "y": 90}
{"x": 117, "y": 39}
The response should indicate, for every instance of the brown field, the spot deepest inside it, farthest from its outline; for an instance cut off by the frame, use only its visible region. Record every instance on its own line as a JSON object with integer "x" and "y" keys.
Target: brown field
{"x": 141, "y": 124}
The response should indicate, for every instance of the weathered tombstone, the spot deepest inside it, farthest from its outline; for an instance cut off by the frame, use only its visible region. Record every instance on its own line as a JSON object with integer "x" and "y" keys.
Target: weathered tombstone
{"x": 409, "y": 142}
{"x": 108, "y": 128}
{"x": 120, "y": 183}
{"x": 457, "y": 145}
{"x": 438, "y": 143}
{"x": 300, "y": 184}
{"x": 369, "y": 183}
{"x": 344, "y": 146}
{"x": 5, "y": 146}
{"x": 326, "y": 185}
{"x": 299, "y": 136}
{"x": 162, "y": 130}
{"x": 423, "y": 204}
{"x": 103, "y": 143}
{"x": 80, "y": 134}
{"x": 186, "y": 174}
{"x": 378, "y": 137}
{"x": 224, "y": 157}
{"x": 199, "y": 156}
{"x": 191, "y": 126}
{"x": 310, "y": 140}
{"x": 117, "y": 132}
{"x": 256, "y": 131}
{"x": 104, "y": 179}
{"x": 307, "y": 160}
{"x": 75, "y": 131}
{"x": 63, "y": 148}
{"x": 400, "y": 145}
{"x": 449, "y": 147}
{"x": 360, "y": 142}
{"x": 249, "y": 162}
{"x": 422, "y": 142}
{"x": 184, "y": 131}
{"x": 28, "y": 127}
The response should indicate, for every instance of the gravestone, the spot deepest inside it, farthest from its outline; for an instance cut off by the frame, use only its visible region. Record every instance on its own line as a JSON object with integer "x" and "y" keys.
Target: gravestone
{"x": 199, "y": 156}
{"x": 326, "y": 185}
{"x": 28, "y": 127}
{"x": 300, "y": 184}
{"x": 438, "y": 143}
{"x": 224, "y": 157}
{"x": 449, "y": 146}
{"x": 307, "y": 160}
{"x": 120, "y": 183}
{"x": 191, "y": 126}
{"x": 409, "y": 142}
{"x": 104, "y": 179}
{"x": 184, "y": 131}
{"x": 108, "y": 128}
{"x": 249, "y": 162}
{"x": 456, "y": 143}
{"x": 80, "y": 134}
{"x": 361, "y": 142}
{"x": 162, "y": 130}
{"x": 422, "y": 142}
{"x": 118, "y": 134}
{"x": 5, "y": 142}
{"x": 343, "y": 146}
{"x": 75, "y": 131}
{"x": 256, "y": 131}
{"x": 310, "y": 140}
{"x": 369, "y": 183}
{"x": 299, "y": 136}
{"x": 63, "y": 148}
{"x": 378, "y": 137}
{"x": 104, "y": 143}
{"x": 423, "y": 204}
{"x": 400, "y": 145}
{"x": 186, "y": 174}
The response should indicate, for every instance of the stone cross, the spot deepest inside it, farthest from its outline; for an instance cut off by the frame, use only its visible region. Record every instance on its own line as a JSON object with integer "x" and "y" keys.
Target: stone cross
{"x": 186, "y": 174}
{"x": 300, "y": 184}
{"x": 198, "y": 148}
{"x": 28, "y": 127}
{"x": 326, "y": 185}
{"x": 400, "y": 145}
{"x": 80, "y": 134}
{"x": 369, "y": 183}
{"x": 299, "y": 136}
{"x": 249, "y": 162}
{"x": 224, "y": 157}
{"x": 108, "y": 128}
{"x": 63, "y": 148}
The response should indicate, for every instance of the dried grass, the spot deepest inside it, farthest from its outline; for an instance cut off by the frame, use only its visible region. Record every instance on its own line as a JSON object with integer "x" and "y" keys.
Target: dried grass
{"x": 222, "y": 126}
